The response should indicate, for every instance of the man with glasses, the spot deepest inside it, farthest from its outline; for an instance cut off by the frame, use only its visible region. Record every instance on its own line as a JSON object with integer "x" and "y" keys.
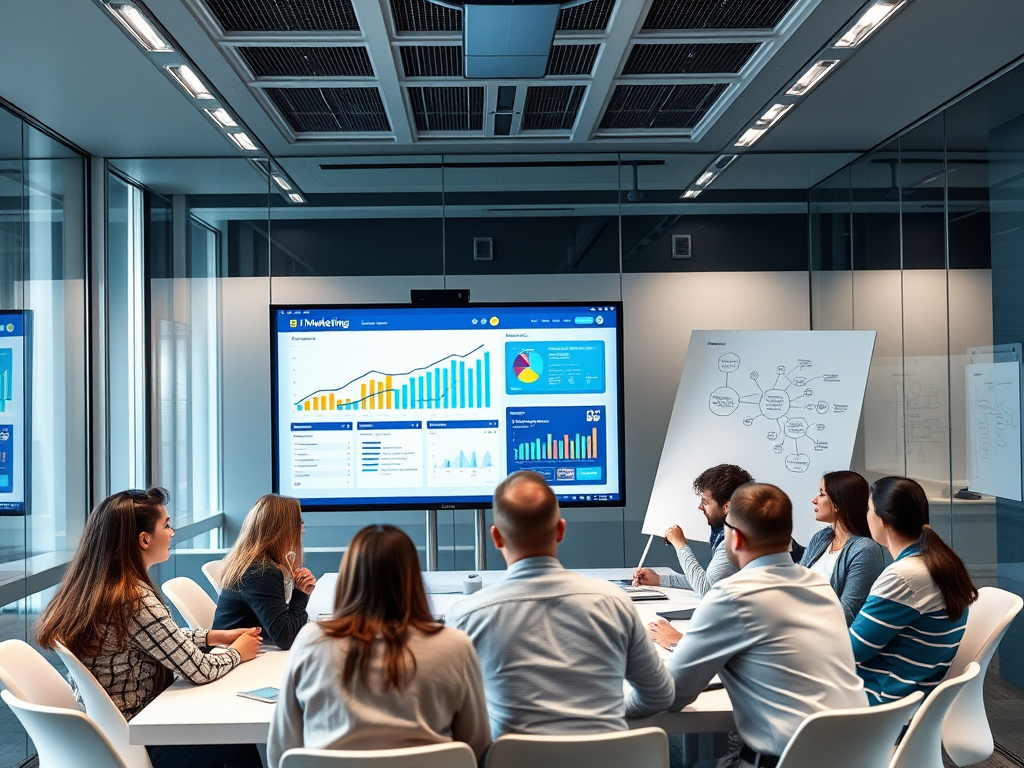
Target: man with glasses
{"x": 774, "y": 632}
{"x": 714, "y": 486}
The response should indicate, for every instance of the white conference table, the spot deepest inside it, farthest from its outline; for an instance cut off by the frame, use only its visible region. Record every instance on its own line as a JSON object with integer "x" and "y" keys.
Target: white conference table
{"x": 215, "y": 714}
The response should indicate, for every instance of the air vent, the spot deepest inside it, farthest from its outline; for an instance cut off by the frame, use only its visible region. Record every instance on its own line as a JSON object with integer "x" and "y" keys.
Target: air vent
{"x": 592, "y": 15}
{"x": 431, "y": 60}
{"x": 681, "y": 247}
{"x": 281, "y": 61}
{"x": 696, "y": 58}
{"x": 483, "y": 249}
{"x": 660, "y": 106}
{"x": 716, "y": 14}
{"x": 448, "y": 109}
{"x": 552, "y": 107}
{"x": 331, "y": 110}
{"x": 424, "y": 16}
{"x": 284, "y": 15}
{"x": 572, "y": 59}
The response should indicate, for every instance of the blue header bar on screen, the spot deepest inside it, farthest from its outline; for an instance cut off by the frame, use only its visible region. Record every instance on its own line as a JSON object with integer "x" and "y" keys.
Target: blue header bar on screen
{"x": 446, "y": 318}
{"x": 11, "y": 324}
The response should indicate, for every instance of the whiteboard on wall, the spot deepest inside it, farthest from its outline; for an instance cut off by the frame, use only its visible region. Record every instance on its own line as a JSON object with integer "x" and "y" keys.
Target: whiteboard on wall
{"x": 784, "y": 405}
{"x": 993, "y": 428}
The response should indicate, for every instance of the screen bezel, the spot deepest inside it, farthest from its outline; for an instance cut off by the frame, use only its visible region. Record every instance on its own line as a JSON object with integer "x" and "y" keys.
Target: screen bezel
{"x": 396, "y": 504}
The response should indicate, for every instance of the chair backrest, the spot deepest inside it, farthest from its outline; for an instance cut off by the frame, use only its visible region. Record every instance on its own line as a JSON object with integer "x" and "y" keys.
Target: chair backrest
{"x": 212, "y": 571}
{"x": 29, "y": 676}
{"x": 922, "y": 744}
{"x": 987, "y": 621}
{"x": 642, "y": 748}
{"x": 192, "y": 602}
{"x": 966, "y": 734}
{"x": 850, "y": 738}
{"x": 103, "y": 711}
{"x": 62, "y": 736}
{"x": 452, "y": 755}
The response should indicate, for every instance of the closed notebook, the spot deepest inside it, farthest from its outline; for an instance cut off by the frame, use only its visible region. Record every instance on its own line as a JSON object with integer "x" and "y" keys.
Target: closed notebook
{"x": 269, "y": 695}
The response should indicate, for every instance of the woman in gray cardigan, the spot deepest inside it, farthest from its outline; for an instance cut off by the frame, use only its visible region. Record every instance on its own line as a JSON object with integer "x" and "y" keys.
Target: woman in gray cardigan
{"x": 844, "y": 553}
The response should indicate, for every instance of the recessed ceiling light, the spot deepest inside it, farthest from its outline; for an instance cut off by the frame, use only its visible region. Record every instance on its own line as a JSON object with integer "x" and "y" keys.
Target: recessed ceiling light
{"x": 872, "y": 19}
{"x": 295, "y": 197}
{"x": 691, "y": 193}
{"x": 243, "y": 141}
{"x": 282, "y": 182}
{"x": 221, "y": 117}
{"x": 773, "y": 115}
{"x": 812, "y": 77}
{"x": 188, "y": 80}
{"x": 705, "y": 178}
{"x": 750, "y": 136}
{"x": 138, "y": 25}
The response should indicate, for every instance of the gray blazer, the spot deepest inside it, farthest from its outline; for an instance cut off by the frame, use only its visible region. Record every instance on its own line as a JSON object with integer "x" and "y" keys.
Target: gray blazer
{"x": 857, "y": 567}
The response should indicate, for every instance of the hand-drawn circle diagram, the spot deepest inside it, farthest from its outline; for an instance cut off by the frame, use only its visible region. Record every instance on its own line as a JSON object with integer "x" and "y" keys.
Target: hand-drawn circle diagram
{"x": 785, "y": 403}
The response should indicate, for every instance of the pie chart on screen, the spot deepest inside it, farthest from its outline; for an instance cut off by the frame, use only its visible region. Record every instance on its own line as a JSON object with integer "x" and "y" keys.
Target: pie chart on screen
{"x": 528, "y": 366}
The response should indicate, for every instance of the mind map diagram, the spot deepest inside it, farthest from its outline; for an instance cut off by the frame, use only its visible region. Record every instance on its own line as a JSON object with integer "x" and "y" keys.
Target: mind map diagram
{"x": 788, "y": 402}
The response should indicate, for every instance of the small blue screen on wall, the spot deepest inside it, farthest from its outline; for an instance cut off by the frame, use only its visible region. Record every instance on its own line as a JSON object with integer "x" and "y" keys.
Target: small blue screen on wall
{"x": 402, "y": 407}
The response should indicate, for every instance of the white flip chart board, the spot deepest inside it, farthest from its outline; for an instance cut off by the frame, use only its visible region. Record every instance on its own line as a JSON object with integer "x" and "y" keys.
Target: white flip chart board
{"x": 993, "y": 428}
{"x": 784, "y": 405}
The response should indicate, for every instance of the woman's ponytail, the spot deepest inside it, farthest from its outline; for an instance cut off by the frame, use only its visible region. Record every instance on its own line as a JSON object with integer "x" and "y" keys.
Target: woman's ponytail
{"x": 949, "y": 573}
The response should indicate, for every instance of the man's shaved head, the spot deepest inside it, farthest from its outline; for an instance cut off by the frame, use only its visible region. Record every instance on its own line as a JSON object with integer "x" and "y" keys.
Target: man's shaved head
{"x": 526, "y": 511}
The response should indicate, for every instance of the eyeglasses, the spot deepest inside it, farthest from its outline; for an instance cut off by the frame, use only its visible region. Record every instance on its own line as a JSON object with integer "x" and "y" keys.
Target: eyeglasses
{"x": 728, "y": 525}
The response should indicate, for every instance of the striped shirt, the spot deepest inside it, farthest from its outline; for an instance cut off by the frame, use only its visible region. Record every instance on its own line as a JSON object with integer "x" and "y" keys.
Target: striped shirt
{"x": 903, "y": 639}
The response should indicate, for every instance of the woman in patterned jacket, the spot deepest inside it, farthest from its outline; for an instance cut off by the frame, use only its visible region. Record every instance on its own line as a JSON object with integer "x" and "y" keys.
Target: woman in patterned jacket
{"x": 108, "y": 613}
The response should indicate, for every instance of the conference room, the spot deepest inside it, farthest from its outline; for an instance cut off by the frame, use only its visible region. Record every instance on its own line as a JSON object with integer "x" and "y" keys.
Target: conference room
{"x": 151, "y": 258}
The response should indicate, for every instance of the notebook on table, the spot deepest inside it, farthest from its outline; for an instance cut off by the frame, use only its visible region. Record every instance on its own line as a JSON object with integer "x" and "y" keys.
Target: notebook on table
{"x": 637, "y": 594}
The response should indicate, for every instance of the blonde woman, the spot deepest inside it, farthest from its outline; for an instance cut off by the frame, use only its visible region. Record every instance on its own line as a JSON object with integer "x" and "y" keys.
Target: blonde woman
{"x": 262, "y": 583}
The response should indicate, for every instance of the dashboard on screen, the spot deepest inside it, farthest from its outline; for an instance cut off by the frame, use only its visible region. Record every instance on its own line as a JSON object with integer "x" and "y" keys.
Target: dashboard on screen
{"x": 409, "y": 407}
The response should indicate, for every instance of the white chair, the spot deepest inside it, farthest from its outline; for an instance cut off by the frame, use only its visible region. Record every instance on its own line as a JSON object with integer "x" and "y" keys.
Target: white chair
{"x": 921, "y": 746}
{"x": 849, "y": 738}
{"x": 966, "y": 734}
{"x": 103, "y": 712}
{"x": 29, "y": 676}
{"x": 451, "y": 755}
{"x": 212, "y": 571}
{"x": 642, "y": 748}
{"x": 192, "y": 602}
{"x": 63, "y": 737}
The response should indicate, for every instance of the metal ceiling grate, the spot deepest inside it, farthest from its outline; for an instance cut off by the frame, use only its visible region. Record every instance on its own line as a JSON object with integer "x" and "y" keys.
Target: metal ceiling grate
{"x": 431, "y": 60}
{"x": 660, "y": 106}
{"x": 677, "y": 59}
{"x": 331, "y": 110}
{"x": 287, "y": 61}
{"x": 283, "y": 15}
{"x": 455, "y": 108}
{"x": 551, "y": 107}
{"x": 572, "y": 59}
{"x": 424, "y": 16}
{"x": 592, "y": 15}
{"x": 716, "y": 14}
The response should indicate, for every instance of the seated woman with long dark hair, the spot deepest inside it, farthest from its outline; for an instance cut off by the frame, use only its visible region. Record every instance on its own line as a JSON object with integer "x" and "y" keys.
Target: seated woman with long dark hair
{"x": 107, "y": 613}
{"x": 263, "y": 583}
{"x": 844, "y": 553}
{"x": 910, "y": 627}
{"x": 382, "y": 673}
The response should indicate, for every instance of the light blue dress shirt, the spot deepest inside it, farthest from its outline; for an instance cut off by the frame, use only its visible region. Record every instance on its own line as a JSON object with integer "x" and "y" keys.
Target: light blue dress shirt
{"x": 776, "y": 635}
{"x": 555, "y": 647}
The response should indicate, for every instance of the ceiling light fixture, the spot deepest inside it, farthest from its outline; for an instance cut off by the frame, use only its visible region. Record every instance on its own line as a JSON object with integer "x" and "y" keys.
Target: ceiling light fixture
{"x": 711, "y": 172}
{"x": 690, "y": 194}
{"x": 188, "y": 80}
{"x": 873, "y": 18}
{"x": 132, "y": 19}
{"x": 295, "y": 197}
{"x": 282, "y": 182}
{"x": 243, "y": 142}
{"x": 221, "y": 117}
{"x": 764, "y": 122}
{"x": 812, "y": 77}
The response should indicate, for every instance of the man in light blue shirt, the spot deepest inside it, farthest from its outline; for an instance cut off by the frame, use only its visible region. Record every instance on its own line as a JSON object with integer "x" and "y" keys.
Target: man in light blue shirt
{"x": 774, "y": 632}
{"x": 554, "y": 646}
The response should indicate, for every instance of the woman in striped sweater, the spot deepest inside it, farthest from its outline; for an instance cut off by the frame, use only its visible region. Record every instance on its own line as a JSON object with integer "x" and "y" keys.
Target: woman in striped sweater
{"x": 908, "y": 631}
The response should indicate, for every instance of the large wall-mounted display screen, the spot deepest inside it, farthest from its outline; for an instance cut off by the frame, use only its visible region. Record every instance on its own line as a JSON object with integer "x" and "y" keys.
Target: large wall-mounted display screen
{"x": 15, "y": 330}
{"x": 410, "y": 407}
